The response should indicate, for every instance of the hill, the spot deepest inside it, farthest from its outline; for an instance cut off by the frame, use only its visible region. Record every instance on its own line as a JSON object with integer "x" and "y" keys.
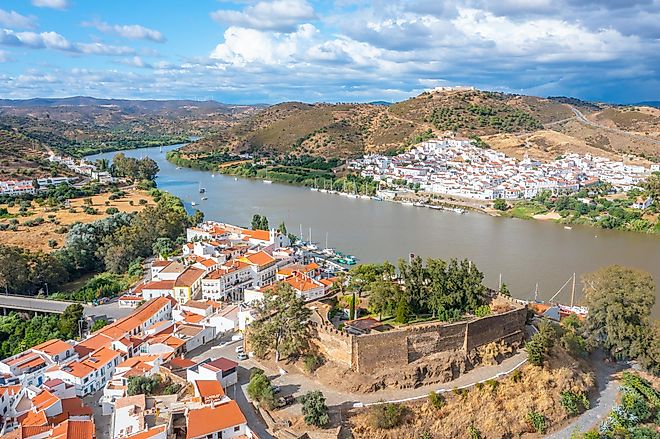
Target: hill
{"x": 23, "y": 158}
{"x": 540, "y": 127}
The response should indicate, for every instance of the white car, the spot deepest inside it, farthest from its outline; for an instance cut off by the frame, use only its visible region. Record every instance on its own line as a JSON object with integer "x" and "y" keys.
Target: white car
{"x": 239, "y": 349}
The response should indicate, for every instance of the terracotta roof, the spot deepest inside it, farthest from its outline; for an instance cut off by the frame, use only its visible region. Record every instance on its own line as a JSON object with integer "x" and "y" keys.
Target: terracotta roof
{"x": 262, "y": 235}
{"x": 209, "y": 389}
{"x": 207, "y": 420}
{"x": 44, "y": 399}
{"x": 181, "y": 363}
{"x": 260, "y": 258}
{"x": 197, "y": 304}
{"x": 75, "y": 407}
{"x": 366, "y": 323}
{"x": 189, "y": 277}
{"x": 147, "y": 434}
{"x": 71, "y": 429}
{"x": 160, "y": 263}
{"x": 52, "y": 347}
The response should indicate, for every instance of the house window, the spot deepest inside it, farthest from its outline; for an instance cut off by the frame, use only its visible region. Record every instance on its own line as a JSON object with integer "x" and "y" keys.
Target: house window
{"x": 237, "y": 428}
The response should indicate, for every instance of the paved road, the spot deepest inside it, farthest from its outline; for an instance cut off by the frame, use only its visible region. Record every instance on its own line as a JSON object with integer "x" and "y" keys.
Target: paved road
{"x": 110, "y": 309}
{"x": 608, "y": 390}
{"x": 583, "y": 119}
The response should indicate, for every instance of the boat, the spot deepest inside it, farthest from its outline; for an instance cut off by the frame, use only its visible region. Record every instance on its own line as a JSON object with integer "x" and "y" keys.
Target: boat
{"x": 201, "y": 189}
{"x": 418, "y": 204}
{"x": 376, "y": 198}
{"x": 568, "y": 228}
{"x": 365, "y": 197}
{"x": 178, "y": 167}
{"x": 204, "y": 198}
{"x": 268, "y": 181}
{"x": 407, "y": 203}
{"x": 314, "y": 189}
{"x": 193, "y": 204}
{"x": 212, "y": 175}
{"x": 235, "y": 178}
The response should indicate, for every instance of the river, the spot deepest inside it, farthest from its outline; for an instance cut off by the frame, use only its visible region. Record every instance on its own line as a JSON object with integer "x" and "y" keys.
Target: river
{"x": 524, "y": 252}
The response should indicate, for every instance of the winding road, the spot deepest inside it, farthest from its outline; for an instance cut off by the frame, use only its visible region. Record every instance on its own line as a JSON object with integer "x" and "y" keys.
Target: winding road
{"x": 583, "y": 119}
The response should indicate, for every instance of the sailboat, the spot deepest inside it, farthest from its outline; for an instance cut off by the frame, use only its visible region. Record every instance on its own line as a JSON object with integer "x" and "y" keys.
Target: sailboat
{"x": 314, "y": 188}
{"x": 364, "y": 196}
{"x": 201, "y": 189}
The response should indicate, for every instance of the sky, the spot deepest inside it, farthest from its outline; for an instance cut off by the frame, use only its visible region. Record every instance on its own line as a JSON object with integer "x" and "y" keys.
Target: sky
{"x": 333, "y": 51}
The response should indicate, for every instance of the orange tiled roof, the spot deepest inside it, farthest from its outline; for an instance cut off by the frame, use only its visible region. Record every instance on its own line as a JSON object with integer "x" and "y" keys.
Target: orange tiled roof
{"x": 209, "y": 389}
{"x": 260, "y": 258}
{"x": 188, "y": 277}
{"x": 207, "y": 420}
{"x": 53, "y": 347}
{"x": 147, "y": 434}
{"x": 71, "y": 429}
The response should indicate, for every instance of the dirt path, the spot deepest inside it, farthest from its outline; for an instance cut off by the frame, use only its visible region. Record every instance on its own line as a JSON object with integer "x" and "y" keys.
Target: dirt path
{"x": 583, "y": 119}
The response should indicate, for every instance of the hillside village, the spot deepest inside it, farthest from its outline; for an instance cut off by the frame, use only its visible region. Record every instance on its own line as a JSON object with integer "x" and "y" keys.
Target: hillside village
{"x": 456, "y": 166}
{"x": 182, "y": 305}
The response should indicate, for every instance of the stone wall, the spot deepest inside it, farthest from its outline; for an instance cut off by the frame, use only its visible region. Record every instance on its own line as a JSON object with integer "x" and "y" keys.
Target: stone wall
{"x": 509, "y": 327}
{"x": 398, "y": 348}
{"x": 334, "y": 344}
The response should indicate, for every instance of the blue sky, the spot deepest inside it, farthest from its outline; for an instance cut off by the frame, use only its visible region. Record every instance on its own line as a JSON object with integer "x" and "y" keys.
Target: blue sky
{"x": 336, "y": 51}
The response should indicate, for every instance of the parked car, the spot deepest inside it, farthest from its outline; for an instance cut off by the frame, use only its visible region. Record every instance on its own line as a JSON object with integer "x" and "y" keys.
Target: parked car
{"x": 239, "y": 349}
{"x": 277, "y": 389}
{"x": 284, "y": 401}
{"x": 237, "y": 337}
{"x": 242, "y": 356}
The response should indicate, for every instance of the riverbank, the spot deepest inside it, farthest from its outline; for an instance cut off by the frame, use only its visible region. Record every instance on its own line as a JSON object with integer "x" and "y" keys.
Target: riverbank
{"x": 583, "y": 208}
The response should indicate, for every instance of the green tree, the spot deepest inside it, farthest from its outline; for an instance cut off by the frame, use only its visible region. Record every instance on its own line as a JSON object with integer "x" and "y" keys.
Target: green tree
{"x": 138, "y": 385}
{"x": 98, "y": 324}
{"x": 261, "y": 390}
{"x": 259, "y": 222}
{"x": 383, "y": 296}
{"x": 500, "y": 204}
{"x": 282, "y": 323}
{"x": 71, "y": 321}
{"x": 403, "y": 311}
{"x": 535, "y": 350}
{"x": 620, "y": 300}
{"x": 163, "y": 247}
{"x": 387, "y": 415}
{"x": 314, "y": 409}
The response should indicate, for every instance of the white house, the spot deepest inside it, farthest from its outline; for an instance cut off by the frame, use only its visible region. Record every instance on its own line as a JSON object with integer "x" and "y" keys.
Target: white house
{"x": 221, "y": 421}
{"x": 221, "y": 369}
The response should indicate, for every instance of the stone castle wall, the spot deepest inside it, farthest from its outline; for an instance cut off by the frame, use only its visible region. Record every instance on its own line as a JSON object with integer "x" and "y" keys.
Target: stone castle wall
{"x": 398, "y": 348}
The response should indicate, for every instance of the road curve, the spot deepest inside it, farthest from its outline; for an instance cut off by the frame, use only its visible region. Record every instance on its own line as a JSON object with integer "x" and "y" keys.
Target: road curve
{"x": 583, "y": 119}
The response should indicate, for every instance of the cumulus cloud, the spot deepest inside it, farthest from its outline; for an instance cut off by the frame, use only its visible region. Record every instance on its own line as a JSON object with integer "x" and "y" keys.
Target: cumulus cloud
{"x": 277, "y": 15}
{"x": 131, "y": 31}
{"x": 53, "y": 4}
{"x": 14, "y": 20}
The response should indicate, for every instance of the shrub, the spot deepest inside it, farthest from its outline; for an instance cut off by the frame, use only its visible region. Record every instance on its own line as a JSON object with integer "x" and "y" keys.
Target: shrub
{"x": 516, "y": 376}
{"x": 142, "y": 202}
{"x": 473, "y": 433}
{"x": 52, "y": 243}
{"x": 492, "y": 383}
{"x": 261, "y": 390}
{"x": 436, "y": 400}
{"x": 537, "y": 421}
{"x": 313, "y": 362}
{"x": 386, "y": 416}
{"x": 574, "y": 402}
{"x": 314, "y": 409}
{"x": 482, "y": 311}
{"x": 500, "y": 205}
{"x": 111, "y": 210}
{"x": 535, "y": 350}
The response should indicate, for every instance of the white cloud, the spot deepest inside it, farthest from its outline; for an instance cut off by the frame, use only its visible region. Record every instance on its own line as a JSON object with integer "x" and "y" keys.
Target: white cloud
{"x": 277, "y": 15}
{"x": 15, "y": 20}
{"x": 243, "y": 46}
{"x": 103, "y": 49}
{"x": 53, "y": 4}
{"x": 131, "y": 31}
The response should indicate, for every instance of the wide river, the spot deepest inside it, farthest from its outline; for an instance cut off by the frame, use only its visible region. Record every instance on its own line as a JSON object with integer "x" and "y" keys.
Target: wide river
{"x": 523, "y": 252}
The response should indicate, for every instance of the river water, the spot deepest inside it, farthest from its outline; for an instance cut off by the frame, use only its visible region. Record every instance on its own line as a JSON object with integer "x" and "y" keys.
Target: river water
{"x": 523, "y": 252}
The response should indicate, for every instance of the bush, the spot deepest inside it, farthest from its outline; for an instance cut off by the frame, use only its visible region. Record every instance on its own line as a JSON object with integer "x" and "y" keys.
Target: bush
{"x": 516, "y": 376}
{"x": 111, "y": 210}
{"x": 473, "y": 433}
{"x": 537, "y": 421}
{"x": 535, "y": 350}
{"x": 314, "y": 409}
{"x": 386, "y": 416}
{"x": 313, "y": 362}
{"x": 500, "y": 204}
{"x": 436, "y": 400}
{"x": 261, "y": 390}
{"x": 574, "y": 402}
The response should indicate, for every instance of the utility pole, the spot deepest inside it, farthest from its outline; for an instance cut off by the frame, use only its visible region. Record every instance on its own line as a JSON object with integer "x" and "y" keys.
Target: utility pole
{"x": 46, "y": 284}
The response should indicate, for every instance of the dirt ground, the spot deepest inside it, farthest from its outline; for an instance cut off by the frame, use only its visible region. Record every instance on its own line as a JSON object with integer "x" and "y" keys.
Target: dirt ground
{"x": 495, "y": 411}
{"x": 37, "y": 237}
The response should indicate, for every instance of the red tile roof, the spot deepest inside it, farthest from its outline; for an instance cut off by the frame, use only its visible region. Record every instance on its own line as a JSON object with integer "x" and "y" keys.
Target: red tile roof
{"x": 207, "y": 420}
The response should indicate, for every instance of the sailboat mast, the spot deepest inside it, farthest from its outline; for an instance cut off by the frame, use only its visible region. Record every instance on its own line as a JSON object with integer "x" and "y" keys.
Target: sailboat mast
{"x": 310, "y": 235}
{"x": 326, "y": 240}
{"x": 536, "y": 292}
{"x": 573, "y": 291}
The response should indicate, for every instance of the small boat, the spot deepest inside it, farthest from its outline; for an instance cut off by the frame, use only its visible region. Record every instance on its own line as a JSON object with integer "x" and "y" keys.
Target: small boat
{"x": 193, "y": 204}
{"x": 376, "y": 198}
{"x": 351, "y": 195}
{"x": 568, "y": 228}
{"x": 418, "y": 204}
{"x": 407, "y": 203}
{"x": 235, "y": 178}
{"x": 314, "y": 189}
{"x": 268, "y": 181}
{"x": 365, "y": 197}
{"x": 204, "y": 198}
{"x": 323, "y": 190}
{"x": 212, "y": 175}
{"x": 178, "y": 167}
